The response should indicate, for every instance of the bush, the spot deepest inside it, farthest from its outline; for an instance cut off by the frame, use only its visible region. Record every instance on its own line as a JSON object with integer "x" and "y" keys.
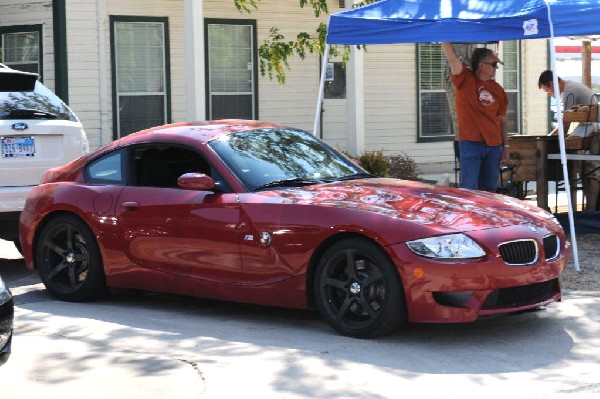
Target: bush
{"x": 374, "y": 162}
{"x": 401, "y": 166}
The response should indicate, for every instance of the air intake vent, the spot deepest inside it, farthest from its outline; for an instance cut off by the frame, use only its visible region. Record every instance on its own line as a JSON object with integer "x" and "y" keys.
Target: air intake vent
{"x": 522, "y": 295}
{"x": 518, "y": 253}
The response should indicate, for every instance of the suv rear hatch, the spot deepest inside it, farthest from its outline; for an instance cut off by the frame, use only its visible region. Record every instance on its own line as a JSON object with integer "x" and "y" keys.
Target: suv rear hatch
{"x": 37, "y": 130}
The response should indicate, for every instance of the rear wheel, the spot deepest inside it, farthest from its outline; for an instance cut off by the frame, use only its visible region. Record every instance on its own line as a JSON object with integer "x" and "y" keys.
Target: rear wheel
{"x": 68, "y": 260}
{"x": 358, "y": 289}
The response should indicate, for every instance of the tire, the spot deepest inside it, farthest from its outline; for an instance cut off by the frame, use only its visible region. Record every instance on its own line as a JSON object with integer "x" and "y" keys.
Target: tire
{"x": 358, "y": 290}
{"x": 68, "y": 260}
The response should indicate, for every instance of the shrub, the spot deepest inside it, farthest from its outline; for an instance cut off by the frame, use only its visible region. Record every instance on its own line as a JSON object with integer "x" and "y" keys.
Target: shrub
{"x": 374, "y": 162}
{"x": 401, "y": 166}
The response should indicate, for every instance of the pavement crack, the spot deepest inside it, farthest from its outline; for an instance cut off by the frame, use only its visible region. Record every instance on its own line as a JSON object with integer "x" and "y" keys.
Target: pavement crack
{"x": 196, "y": 368}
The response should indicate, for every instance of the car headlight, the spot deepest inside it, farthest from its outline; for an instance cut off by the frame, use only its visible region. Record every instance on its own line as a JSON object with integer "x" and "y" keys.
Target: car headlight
{"x": 5, "y": 295}
{"x": 450, "y": 246}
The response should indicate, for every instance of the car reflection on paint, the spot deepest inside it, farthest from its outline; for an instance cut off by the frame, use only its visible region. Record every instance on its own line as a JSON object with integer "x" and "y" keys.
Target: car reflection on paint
{"x": 256, "y": 212}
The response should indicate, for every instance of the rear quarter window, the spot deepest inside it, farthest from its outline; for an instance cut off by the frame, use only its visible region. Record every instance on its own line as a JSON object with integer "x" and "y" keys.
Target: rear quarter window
{"x": 108, "y": 169}
{"x": 23, "y": 104}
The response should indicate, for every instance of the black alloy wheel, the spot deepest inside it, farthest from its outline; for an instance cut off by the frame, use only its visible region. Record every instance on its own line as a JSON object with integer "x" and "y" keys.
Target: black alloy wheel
{"x": 68, "y": 260}
{"x": 358, "y": 290}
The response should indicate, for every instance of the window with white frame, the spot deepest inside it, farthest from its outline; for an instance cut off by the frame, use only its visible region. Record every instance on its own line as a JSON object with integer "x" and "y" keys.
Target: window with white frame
{"x": 140, "y": 60}
{"x": 21, "y": 48}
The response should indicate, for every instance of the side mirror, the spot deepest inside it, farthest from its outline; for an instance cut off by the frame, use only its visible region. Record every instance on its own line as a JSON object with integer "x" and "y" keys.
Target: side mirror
{"x": 196, "y": 181}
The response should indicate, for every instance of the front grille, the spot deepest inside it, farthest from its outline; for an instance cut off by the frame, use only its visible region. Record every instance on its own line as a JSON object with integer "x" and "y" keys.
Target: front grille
{"x": 520, "y": 252}
{"x": 551, "y": 246}
{"x": 522, "y": 295}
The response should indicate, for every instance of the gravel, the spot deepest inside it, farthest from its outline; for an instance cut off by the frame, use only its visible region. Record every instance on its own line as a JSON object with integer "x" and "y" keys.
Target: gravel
{"x": 588, "y": 278}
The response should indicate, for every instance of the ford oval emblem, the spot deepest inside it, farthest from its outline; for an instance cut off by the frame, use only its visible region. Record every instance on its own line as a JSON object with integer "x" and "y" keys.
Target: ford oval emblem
{"x": 19, "y": 126}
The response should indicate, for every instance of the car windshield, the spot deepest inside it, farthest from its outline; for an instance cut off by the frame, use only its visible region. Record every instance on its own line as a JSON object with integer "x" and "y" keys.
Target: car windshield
{"x": 40, "y": 103}
{"x": 282, "y": 157}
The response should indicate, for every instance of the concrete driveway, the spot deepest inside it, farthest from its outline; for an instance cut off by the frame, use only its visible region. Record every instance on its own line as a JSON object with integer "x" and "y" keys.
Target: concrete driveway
{"x": 139, "y": 345}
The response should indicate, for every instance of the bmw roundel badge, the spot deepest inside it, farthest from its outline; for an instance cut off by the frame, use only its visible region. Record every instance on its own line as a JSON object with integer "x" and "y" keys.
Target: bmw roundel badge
{"x": 19, "y": 126}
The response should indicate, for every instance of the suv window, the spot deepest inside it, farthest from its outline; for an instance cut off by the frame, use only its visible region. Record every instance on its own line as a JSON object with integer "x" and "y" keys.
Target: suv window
{"x": 39, "y": 103}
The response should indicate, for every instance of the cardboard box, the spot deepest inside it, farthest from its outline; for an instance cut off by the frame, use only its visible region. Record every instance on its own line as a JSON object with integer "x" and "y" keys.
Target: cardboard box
{"x": 581, "y": 113}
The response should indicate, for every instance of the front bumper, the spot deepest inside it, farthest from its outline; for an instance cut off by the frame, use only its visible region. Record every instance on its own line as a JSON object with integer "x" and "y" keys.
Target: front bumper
{"x": 465, "y": 290}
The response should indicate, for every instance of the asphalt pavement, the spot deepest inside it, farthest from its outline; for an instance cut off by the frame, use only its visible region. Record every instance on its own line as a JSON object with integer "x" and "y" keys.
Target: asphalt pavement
{"x": 143, "y": 345}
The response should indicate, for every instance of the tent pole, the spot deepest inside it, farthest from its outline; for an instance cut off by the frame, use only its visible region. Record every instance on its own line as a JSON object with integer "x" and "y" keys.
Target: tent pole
{"x": 321, "y": 89}
{"x": 561, "y": 142}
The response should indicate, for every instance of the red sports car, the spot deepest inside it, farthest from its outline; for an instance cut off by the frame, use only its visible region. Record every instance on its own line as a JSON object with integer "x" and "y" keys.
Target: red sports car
{"x": 256, "y": 212}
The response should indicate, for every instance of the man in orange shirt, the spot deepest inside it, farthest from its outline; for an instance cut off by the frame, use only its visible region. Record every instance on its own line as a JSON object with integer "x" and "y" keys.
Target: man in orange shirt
{"x": 481, "y": 106}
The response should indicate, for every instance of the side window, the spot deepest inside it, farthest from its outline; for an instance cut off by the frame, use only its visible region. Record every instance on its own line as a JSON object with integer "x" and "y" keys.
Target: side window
{"x": 107, "y": 170}
{"x": 161, "y": 166}
{"x": 21, "y": 47}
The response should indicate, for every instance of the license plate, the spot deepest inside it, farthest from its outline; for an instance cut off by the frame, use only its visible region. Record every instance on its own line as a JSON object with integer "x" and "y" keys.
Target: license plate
{"x": 18, "y": 147}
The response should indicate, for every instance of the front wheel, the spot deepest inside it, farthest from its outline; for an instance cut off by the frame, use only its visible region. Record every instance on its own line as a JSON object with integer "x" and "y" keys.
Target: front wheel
{"x": 358, "y": 290}
{"x": 68, "y": 260}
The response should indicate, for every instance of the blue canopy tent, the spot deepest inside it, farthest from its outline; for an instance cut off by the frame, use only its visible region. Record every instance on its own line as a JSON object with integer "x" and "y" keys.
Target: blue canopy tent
{"x": 467, "y": 21}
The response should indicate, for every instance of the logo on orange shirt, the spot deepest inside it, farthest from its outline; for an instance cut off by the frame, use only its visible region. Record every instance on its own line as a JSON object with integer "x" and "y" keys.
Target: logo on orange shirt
{"x": 485, "y": 97}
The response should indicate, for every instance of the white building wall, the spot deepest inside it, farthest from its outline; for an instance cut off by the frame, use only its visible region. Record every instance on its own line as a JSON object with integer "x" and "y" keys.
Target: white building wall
{"x": 390, "y": 83}
{"x": 535, "y": 101}
{"x": 86, "y": 21}
{"x": 84, "y": 67}
{"x": 293, "y": 103}
{"x": 391, "y": 108}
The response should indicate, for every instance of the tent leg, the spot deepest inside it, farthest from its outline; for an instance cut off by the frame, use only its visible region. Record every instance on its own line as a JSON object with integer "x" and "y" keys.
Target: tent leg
{"x": 321, "y": 89}
{"x": 561, "y": 141}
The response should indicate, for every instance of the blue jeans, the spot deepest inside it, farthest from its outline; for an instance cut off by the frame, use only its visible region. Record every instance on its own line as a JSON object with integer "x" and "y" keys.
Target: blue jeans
{"x": 479, "y": 165}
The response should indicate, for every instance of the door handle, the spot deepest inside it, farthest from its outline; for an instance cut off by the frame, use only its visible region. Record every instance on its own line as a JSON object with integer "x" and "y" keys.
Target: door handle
{"x": 131, "y": 205}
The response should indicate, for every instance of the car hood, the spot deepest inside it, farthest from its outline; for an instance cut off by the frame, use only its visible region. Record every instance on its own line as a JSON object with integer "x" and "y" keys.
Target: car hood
{"x": 442, "y": 208}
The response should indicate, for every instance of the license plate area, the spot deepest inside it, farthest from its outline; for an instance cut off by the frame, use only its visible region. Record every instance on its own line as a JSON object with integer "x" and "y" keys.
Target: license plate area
{"x": 12, "y": 147}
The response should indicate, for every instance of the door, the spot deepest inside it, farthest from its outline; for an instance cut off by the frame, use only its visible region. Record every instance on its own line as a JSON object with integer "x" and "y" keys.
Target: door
{"x": 185, "y": 232}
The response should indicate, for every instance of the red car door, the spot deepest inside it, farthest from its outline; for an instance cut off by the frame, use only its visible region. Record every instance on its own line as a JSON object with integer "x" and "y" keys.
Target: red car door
{"x": 183, "y": 232}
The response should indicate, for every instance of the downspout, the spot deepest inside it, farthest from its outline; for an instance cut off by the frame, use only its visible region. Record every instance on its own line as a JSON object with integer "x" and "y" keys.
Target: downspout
{"x": 61, "y": 75}
{"x": 102, "y": 81}
{"x": 321, "y": 90}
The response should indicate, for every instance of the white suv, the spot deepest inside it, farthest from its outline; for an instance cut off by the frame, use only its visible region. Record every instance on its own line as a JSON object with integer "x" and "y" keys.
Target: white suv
{"x": 37, "y": 132}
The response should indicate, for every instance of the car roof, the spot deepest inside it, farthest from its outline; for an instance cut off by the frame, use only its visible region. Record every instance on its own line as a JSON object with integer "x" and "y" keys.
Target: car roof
{"x": 202, "y": 131}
